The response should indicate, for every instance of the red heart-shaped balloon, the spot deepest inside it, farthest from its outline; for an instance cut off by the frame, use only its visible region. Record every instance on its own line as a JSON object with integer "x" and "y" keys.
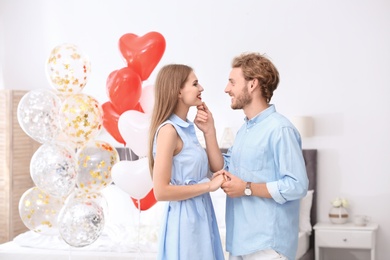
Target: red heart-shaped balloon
{"x": 124, "y": 89}
{"x": 142, "y": 53}
{"x": 110, "y": 121}
{"x": 147, "y": 202}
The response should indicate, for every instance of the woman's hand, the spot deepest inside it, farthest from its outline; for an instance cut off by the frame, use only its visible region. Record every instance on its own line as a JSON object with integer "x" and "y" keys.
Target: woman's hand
{"x": 216, "y": 182}
{"x": 204, "y": 119}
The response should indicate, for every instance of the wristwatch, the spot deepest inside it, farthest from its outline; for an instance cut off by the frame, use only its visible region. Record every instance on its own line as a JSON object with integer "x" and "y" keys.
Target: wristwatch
{"x": 248, "y": 190}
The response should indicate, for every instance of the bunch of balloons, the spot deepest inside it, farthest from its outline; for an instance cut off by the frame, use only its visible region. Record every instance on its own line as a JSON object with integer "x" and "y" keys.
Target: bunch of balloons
{"x": 70, "y": 168}
{"x": 126, "y": 116}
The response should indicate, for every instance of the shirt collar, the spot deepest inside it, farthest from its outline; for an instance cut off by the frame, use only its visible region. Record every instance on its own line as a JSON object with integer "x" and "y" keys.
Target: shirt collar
{"x": 180, "y": 122}
{"x": 260, "y": 116}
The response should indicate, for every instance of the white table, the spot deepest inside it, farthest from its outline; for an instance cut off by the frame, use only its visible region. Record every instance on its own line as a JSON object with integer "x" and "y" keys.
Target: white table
{"x": 328, "y": 235}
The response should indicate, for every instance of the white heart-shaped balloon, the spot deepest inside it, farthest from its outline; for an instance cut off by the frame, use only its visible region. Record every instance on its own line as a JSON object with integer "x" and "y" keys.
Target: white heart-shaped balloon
{"x": 133, "y": 177}
{"x": 134, "y": 129}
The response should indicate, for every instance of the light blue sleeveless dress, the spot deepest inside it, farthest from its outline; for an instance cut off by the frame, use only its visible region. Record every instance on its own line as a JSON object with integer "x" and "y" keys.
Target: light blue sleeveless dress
{"x": 189, "y": 228}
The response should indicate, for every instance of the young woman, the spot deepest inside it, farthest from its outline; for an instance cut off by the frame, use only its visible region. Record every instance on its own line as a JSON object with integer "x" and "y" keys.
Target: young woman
{"x": 180, "y": 171}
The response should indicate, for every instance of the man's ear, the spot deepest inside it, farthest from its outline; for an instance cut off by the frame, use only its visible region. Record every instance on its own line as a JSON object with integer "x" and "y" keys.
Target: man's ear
{"x": 253, "y": 84}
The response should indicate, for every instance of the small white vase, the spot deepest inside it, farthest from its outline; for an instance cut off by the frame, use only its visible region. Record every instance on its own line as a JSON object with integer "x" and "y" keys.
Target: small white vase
{"x": 338, "y": 215}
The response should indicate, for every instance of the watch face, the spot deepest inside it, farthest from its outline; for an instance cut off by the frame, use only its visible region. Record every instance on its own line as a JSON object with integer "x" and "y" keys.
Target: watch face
{"x": 248, "y": 192}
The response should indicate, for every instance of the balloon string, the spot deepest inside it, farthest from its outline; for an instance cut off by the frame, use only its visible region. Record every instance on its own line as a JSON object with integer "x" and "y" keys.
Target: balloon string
{"x": 70, "y": 252}
{"x": 125, "y": 150}
{"x": 139, "y": 226}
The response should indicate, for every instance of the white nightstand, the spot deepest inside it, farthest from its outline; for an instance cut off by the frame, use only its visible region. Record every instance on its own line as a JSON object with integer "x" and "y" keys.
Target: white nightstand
{"x": 345, "y": 236}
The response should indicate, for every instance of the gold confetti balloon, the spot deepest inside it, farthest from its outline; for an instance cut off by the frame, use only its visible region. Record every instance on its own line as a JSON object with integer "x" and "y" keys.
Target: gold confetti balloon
{"x": 68, "y": 69}
{"x": 39, "y": 211}
{"x": 95, "y": 161}
{"x": 81, "y": 119}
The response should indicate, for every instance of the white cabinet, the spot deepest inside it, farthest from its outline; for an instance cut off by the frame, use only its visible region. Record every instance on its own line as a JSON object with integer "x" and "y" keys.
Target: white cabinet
{"x": 347, "y": 235}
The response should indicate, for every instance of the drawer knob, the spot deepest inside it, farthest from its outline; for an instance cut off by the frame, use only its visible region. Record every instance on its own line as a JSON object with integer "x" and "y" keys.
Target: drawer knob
{"x": 345, "y": 240}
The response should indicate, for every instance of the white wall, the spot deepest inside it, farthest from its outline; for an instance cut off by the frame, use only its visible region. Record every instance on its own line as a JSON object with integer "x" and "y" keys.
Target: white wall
{"x": 333, "y": 57}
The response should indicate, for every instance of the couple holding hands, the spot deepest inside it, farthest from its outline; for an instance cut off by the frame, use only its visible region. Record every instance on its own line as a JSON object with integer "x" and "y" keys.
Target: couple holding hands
{"x": 263, "y": 173}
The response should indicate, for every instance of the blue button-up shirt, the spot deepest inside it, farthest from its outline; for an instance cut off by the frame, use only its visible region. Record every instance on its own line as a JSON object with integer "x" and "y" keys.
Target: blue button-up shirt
{"x": 267, "y": 149}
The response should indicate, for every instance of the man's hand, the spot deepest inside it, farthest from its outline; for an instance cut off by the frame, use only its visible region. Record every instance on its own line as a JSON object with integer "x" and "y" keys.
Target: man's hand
{"x": 234, "y": 187}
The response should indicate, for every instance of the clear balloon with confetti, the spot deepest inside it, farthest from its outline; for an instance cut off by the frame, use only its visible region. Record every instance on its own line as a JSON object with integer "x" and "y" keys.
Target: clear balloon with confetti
{"x": 38, "y": 115}
{"x": 39, "y": 211}
{"x": 81, "y": 119}
{"x": 53, "y": 168}
{"x": 81, "y": 220}
{"x": 68, "y": 69}
{"x": 95, "y": 161}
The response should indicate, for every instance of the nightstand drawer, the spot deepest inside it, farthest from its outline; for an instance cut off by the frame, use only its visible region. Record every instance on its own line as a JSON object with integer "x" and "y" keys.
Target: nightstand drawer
{"x": 343, "y": 239}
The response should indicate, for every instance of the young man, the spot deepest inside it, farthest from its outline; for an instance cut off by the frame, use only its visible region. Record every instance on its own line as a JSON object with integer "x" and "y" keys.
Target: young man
{"x": 265, "y": 168}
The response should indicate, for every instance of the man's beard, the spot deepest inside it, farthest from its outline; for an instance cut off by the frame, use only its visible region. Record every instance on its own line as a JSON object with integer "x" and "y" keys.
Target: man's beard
{"x": 242, "y": 100}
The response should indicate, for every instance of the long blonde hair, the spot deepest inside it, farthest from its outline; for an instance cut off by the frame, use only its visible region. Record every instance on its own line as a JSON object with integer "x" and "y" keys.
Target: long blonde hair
{"x": 170, "y": 79}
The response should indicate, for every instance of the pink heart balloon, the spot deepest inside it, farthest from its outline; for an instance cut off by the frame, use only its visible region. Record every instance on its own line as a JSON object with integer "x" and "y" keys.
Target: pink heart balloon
{"x": 147, "y": 99}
